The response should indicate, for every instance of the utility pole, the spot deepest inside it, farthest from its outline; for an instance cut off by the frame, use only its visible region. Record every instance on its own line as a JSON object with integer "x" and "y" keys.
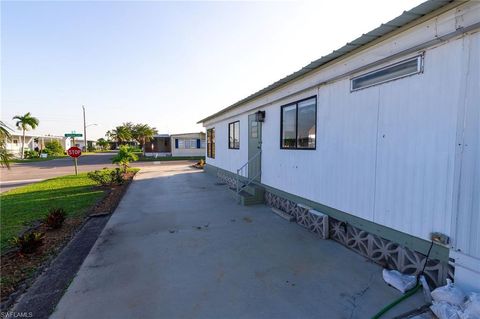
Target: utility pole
{"x": 85, "y": 129}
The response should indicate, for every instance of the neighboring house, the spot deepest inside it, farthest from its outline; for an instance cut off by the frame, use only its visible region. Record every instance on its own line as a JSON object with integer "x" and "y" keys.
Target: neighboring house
{"x": 79, "y": 142}
{"x": 188, "y": 144}
{"x": 32, "y": 142}
{"x": 181, "y": 145}
{"x": 14, "y": 143}
{"x": 381, "y": 135}
{"x": 160, "y": 145}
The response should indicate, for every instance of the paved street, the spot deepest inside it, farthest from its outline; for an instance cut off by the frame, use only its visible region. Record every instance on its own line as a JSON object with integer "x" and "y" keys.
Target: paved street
{"x": 26, "y": 173}
{"x": 178, "y": 246}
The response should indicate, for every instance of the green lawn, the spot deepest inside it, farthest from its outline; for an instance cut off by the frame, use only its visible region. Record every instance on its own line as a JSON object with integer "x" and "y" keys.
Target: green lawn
{"x": 37, "y": 159}
{"x": 169, "y": 158}
{"x": 23, "y": 205}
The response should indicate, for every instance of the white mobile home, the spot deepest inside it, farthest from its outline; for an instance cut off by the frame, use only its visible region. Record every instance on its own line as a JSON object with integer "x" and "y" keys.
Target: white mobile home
{"x": 178, "y": 145}
{"x": 188, "y": 144}
{"x": 381, "y": 136}
{"x": 32, "y": 142}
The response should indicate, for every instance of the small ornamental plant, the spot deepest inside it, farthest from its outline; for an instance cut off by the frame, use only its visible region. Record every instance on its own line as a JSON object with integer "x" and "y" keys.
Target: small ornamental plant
{"x": 29, "y": 242}
{"x": 55, "y": 218}
{"x": 107, "y": 177}
{"x": 124, "y": 157}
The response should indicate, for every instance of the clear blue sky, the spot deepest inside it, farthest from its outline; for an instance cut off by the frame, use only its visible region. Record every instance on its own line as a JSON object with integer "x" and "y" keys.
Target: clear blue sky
{"x": 168, "y": 64}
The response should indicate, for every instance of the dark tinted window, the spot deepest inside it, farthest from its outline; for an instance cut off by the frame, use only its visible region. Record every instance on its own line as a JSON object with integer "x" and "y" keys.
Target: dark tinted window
{"x": 299, "y": 124}
{"x": 289, "y": 115}
{"x": 306, "y": 129}
{"x": 234, "y": 135}
{"x": 211, "y": 143}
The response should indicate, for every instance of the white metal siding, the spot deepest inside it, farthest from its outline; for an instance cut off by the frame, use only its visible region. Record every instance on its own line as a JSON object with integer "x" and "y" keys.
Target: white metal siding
{"x": 340, "y": 172}
{"x": 468, "y": 215}
{"x": 416, "y": 146}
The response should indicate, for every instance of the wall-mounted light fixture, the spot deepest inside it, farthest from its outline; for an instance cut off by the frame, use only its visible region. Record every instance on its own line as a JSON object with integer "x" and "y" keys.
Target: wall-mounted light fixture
{"x": 260, "y": 116}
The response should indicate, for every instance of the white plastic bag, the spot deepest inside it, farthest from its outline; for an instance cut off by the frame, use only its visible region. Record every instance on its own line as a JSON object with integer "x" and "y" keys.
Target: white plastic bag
{"x": 472, "y": 307}
{"x": 444, "y": 310}
{"x": 398, "y": 280}
{"x": 449, "y": 293}
{"x": 427, "y": 294}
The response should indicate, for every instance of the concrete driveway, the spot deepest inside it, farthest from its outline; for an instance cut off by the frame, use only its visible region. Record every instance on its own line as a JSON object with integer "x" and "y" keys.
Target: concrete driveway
{"x": 178, "y": 246}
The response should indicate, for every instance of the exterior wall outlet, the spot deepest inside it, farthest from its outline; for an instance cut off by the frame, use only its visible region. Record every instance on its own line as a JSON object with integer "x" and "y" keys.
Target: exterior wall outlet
{"x": 440, "y": 238}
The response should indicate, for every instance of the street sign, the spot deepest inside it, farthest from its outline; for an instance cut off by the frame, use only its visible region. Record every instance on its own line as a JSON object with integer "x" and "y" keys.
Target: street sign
{"x": 74, "y": 151}
{"x": 73, "y": 135}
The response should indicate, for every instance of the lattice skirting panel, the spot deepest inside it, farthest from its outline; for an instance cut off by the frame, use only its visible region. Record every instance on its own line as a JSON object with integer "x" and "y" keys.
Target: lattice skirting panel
{"x": 312, "y": 220}
{"x": 382, "y": 251}
{"x": 227, "y": 179}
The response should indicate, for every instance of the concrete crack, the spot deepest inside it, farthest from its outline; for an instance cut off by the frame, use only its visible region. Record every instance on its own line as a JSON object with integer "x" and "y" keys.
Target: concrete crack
{"x": 359, "y": 295}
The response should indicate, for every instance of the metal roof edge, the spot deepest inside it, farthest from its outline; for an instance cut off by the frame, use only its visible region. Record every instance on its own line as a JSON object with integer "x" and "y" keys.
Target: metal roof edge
{"x": 178, "y": 134}
{"x": 421, "y": 13}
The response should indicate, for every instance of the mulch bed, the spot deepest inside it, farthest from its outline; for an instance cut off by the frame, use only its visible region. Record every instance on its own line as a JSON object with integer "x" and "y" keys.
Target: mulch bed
{"x": 19, "y": 270}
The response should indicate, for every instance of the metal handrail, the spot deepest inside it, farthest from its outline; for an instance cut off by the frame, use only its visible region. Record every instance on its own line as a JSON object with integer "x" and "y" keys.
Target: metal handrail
{"x": 249, "y": 180}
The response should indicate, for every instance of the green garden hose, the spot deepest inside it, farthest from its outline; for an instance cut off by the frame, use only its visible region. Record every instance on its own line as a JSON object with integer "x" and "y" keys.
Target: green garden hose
{"x": 408, "y": 294}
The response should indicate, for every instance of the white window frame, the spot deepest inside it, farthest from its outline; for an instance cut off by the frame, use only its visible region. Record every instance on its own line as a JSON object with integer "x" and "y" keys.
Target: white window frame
{"x": 190, "y": 143}
{"x": 419, "y": 69}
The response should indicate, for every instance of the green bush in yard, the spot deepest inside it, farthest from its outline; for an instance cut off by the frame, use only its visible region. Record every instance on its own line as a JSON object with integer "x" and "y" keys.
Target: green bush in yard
{"x": 30, "y": 154}
{"x": 53, "y": 148}
{"x": 107, "y": 177}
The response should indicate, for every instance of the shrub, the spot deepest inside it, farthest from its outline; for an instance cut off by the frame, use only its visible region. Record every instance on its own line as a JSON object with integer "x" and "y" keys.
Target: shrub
{"x": 55, "y": 218}
{"x": 124, "y": 157}
{"x": 29, "y": 242}
{"x": 53, "y": 148}
{"x": 107, "y": 177}
{"x": 30, "y": 154}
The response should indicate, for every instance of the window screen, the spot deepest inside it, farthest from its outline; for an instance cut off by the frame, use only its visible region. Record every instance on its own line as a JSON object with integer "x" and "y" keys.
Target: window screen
{"x": 389, "y": 73}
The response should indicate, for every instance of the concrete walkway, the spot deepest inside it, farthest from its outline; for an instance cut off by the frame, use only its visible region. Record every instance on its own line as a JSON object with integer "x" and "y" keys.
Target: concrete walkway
{"x": 178, "y": 246}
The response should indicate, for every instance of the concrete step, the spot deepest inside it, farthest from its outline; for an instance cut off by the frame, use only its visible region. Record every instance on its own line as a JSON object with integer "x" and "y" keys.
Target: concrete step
{"x": 247, "y": 199}
{"x": 254, "y": 190}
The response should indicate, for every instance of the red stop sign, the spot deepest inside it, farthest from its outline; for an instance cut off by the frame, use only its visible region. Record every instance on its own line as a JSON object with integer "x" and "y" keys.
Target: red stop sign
{"x": 74, "y": 151}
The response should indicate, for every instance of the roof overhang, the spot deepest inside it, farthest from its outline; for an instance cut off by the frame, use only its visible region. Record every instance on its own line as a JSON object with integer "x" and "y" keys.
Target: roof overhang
{"x": 406, "y": 20}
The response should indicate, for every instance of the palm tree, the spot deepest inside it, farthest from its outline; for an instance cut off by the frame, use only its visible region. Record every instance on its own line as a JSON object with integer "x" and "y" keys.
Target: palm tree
{"x": 143, "y": 133}
{"x": 103, "y": 143}
{"x": 4, "y": 132}
{"x": 5, "y": 155}
{"x": 25, "y": 123}
{"x": 121, "y": 134}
